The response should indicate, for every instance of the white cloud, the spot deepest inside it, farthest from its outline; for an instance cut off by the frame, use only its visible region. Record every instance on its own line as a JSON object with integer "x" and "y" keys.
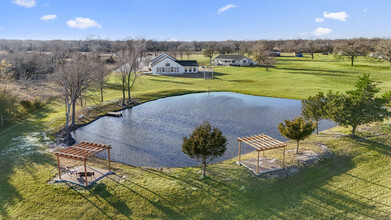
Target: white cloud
{"x": 225, "y": 8}
{"x": 48, "y": 17}
{"x": 341, "y": 16}
{"x": 320, "y": 31}
{"x": 365, "y": 10}
{"x": 173, "y": 40}
{"x": 25, "y": 3}
{"x": 83, "y": 23}
{"x": 319, "y": 20}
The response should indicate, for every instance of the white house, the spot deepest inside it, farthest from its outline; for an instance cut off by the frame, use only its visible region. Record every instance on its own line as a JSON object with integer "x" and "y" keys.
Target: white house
{"x": 167, "y": 64}
{"x": 232, "y": 60}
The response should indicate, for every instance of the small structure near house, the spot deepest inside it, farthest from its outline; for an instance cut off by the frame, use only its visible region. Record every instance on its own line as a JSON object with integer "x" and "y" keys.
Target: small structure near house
{"x": 275, "y": 53}
{"x": 167, "y": 64}
{"x": 82, "y": 152}
{"x": 261, "y": 142}
{"x": 232, "y": 60}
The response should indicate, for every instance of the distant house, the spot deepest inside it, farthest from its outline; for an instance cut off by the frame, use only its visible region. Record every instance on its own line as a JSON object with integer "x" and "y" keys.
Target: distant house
{"x": 232, "y": 60}
{"x": 167, "y": 64}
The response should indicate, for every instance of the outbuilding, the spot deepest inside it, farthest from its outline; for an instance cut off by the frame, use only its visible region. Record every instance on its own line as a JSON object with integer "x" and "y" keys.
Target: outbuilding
{"x": 232, "y": 60}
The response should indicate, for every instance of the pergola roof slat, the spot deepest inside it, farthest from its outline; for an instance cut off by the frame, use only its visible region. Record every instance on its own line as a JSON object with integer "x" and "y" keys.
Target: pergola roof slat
{"x": 83, "y": 150}
{"x": 262, "y": 142}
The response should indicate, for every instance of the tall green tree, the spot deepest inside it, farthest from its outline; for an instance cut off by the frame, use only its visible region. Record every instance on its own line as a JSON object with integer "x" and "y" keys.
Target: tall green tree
{"x": 205, "y": 144}
{"x": 298, "y": 129}
{"x": 359, "y": 106}
{"x": 314, "y": 108}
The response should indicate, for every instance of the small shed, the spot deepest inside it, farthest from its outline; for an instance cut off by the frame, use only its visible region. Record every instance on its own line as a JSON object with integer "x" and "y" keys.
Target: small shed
{"x": 261, "y": 142}
{"x": 82, "y": 152}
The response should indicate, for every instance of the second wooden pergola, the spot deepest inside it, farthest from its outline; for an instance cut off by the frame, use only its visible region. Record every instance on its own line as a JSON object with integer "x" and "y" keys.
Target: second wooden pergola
{"x": 82, "y": 152}
{"x": 262, "y": 142}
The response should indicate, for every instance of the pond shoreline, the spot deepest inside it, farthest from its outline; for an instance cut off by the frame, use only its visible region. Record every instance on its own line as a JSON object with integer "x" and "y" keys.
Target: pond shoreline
{"x": 116, "y": 107}
{"x": 150, "y": 136}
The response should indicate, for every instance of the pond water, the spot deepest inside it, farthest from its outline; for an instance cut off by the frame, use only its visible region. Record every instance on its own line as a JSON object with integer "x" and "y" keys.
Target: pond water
{"x": 151, "y": 134}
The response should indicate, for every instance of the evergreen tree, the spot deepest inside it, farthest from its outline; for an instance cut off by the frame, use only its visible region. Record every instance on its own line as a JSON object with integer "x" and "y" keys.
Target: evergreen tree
{"x": 359, "y": 106}
{"x": 205, "y": 144}
{"x": 298, "y": 129}
{"x": 314, "y": 108}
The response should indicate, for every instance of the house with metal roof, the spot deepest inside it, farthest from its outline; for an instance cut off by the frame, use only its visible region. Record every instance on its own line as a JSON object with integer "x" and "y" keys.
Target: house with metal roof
{"x": 232, "y": 60}
{"x": 167, "y": 64}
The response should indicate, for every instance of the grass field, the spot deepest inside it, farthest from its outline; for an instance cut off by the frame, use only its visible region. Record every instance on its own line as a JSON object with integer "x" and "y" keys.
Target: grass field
{"x": 354, "y": 183}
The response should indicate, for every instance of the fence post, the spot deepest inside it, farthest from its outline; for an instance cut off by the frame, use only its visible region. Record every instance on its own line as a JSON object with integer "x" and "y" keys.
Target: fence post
{"x": 2, "y": 124}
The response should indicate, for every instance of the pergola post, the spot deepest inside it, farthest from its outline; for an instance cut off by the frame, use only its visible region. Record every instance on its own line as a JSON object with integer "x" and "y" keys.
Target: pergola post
{"x": 108, "y": 154}
{"x": 257, "y": 162}
{"x": 261, "y": 142}
{"x": 85, "y": 172}
{"x": 58, "y": 166}
{"x": 240, "y": 146}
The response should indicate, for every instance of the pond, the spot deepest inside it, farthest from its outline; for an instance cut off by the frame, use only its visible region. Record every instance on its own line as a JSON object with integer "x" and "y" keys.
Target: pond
{"x": 151, "y": 134}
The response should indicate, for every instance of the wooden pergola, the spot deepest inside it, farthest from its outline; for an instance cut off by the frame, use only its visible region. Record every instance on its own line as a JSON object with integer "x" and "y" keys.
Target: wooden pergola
{"x": 262, "y": 142}
{"x": 82, "y": 152}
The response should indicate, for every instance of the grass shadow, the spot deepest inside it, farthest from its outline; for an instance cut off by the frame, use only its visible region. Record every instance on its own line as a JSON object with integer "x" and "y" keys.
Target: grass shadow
{"x": 379, "y": 147}
{"x": 165, "y": 209}
{"x": 115, "y": 201}
{"x": 169, "y": 81}
{"x": 17, "y": 151}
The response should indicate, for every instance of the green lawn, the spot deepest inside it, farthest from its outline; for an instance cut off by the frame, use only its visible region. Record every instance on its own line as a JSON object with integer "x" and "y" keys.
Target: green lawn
{"x": 354, "y": 183}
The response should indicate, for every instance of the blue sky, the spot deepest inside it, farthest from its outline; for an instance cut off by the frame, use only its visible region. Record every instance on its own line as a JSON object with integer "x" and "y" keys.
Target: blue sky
{"x": 187, "y": 20}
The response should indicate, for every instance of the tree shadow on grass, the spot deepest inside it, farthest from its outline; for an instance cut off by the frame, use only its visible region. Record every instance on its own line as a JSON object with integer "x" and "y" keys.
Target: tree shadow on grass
{"x": 317, "y": 71}
{"x": 71, "y": 186}
{"x": 171, "y": 213}
{"x": 278, "y": 197}
{"x": 199, "y": 75}
{"x": 101, "y": 191}
{"x": 114, "y": 86}
{"x": 16, "y": 151}
{"x": 170, "y": 81}
{"x": 379, "y": 147}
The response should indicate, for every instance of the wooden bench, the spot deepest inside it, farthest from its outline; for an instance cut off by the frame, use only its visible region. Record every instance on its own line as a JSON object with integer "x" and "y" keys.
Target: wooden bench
{"x": 83, "y": 174}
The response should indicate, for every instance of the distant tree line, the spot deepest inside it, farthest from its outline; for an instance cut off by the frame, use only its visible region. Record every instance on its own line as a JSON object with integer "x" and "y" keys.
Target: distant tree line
{"x": 343, "y": 48}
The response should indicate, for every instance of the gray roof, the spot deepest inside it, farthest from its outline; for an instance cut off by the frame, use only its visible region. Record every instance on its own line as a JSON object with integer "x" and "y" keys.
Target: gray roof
{"x": 230, "y": 57}
{"x": 161, "y": 57}
{"x": 164, "y": 54}
{"x": 187, "y": 62}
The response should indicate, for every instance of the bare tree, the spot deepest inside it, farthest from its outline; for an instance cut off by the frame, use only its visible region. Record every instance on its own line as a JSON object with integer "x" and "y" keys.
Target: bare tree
{"x": 136, "y": 48}
{"x": 6, "y": 73}
{"x": 124, "y": 69}
{"x": 102, "y": 76}
{"x": 181, "y": 48}
{"x": 209, "y": 50}
{"x": 310, "y": 46}
{"x": 351, "y": 48}
{"x": 189, "y": 47}
{"x": 262, "y": 54}
{"x": 72, "y": 79}
{"x": 384, "y": 50}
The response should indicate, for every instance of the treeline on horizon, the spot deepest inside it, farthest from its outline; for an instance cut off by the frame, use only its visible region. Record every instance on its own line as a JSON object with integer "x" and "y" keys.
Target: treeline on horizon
{"x": 178, "y": 47}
